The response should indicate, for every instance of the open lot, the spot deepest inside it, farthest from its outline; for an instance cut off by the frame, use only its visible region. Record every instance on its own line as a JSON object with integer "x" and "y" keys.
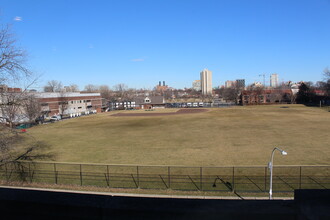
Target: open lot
{"x": 219, "y": 137}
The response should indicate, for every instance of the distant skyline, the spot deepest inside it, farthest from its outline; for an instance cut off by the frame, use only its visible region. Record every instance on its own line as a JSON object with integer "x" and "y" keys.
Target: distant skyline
{"x": 140, "y": 43}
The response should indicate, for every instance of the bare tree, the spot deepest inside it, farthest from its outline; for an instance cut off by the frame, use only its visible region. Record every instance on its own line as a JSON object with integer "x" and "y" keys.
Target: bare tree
{"x": 256, "y": 94}
{"x": 231, "y": 93}
{"x": 105, "y": 92}
{"x": 12, "y": 58}
{"x": 53, "y": 86}
{"x": 32, "y": 107}
{"x": 121, "y": 90}
{"x": 63, "y": 103}
{"x": 11, "y": 107}
{"x": 120, "y": 87}
{"x": 72, "y": 88}
{"x": 14, "y": 146}
{"x": 91, "y": 88}
{"x": 326, "y": 72}
{"x": 273, "y": 97}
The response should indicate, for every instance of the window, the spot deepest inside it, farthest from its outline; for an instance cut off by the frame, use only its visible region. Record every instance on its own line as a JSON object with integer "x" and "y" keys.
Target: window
{"x": 147, "y": 100}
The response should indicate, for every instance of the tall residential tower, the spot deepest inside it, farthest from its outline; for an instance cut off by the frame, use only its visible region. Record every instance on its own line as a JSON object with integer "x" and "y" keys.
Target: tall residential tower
{"x": 206, "y": 82}
{"x": 274, "y": 80}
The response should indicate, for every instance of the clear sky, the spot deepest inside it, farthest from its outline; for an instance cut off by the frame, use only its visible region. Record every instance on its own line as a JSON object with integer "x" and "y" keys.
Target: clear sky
{"x": 142, "y": 42}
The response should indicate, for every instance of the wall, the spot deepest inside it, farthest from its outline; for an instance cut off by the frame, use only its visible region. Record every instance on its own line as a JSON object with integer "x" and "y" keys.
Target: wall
{"x": 46, "y": 204}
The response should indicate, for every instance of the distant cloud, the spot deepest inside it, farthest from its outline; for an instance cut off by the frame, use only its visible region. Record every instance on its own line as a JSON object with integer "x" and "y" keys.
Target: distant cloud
{"x": 17, "y": 18}
{"x": 138, "y": 60}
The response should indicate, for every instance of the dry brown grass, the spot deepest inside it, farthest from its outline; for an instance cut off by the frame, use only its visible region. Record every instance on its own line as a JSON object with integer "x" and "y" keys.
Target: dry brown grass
{"x": 226, "y": 136}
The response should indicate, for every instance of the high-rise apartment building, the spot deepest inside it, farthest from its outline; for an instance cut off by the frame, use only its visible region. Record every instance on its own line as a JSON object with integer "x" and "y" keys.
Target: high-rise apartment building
{"x": 196, "y": 85}
{"x": 274, "y": 80}
{"x": 206, "y": 82}
{"x": 240, "y": 83}
{"x": 229, "y": 84}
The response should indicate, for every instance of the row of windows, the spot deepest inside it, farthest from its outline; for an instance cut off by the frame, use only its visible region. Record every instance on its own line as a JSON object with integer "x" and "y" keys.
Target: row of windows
{"x": 72, "y": 102}
{"x": 80, "y": 101}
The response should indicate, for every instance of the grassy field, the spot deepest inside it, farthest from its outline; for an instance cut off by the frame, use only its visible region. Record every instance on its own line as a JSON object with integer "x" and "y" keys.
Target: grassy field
{"x": 219, "y": 137}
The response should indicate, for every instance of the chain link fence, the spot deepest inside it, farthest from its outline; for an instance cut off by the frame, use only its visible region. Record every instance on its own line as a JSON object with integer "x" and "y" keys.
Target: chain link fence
{"x": 226, "y": 179}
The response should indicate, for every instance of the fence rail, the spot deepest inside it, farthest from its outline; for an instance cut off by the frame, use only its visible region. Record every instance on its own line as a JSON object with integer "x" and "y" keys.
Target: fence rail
{"x": 226, "y": 179}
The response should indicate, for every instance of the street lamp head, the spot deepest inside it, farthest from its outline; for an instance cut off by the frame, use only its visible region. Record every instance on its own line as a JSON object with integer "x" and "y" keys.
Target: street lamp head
{"x": 282, "y": 151}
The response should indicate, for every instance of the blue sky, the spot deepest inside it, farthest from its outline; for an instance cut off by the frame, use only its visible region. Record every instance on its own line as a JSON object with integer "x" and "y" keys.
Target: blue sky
{"x": 141, "y": 42}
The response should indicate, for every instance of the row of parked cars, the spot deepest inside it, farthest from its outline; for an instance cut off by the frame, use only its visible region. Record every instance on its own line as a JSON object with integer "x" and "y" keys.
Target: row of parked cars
{"x": 187, "y": 105}
{"x": 72, "y": 115}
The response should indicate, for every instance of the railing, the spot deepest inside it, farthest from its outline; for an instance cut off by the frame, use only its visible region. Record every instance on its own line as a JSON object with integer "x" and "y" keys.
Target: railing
{"x": 236, "y": 179}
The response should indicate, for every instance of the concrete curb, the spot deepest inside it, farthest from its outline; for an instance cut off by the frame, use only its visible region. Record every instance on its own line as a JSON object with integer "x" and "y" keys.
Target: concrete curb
{"x": 147, "y": 195}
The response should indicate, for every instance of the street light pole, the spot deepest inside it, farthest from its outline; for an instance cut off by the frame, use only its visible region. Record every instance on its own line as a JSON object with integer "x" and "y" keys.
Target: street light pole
{"x": 270, "y": 166}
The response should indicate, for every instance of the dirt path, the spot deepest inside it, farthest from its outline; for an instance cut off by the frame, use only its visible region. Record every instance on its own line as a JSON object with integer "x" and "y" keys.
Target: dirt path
{"x": 181, "y": 111}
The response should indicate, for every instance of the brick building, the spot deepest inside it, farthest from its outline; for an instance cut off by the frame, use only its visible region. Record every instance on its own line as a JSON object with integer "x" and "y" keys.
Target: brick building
{"x": 54, "y": 103}
{"x": 161, "y": 88}
{"x": 266, "y": 96}
{"x": 4, "y": 88}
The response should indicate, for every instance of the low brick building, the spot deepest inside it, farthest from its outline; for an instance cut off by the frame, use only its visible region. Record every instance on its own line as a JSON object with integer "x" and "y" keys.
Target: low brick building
{"x": 266, "y": 96}
{"x": 54, "y": 103}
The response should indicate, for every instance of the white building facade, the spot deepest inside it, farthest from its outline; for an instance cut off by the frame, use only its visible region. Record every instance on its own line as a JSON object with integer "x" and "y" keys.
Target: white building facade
{"x": 206, "y": 82}
{"x": 274, "y": 80}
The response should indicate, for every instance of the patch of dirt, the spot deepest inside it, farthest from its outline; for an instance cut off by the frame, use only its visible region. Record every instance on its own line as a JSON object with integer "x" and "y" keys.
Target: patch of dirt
{"x": 181, "y": 111}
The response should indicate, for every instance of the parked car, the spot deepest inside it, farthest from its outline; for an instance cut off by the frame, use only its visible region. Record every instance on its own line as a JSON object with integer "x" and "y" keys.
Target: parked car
{"x": 55, "y": 118}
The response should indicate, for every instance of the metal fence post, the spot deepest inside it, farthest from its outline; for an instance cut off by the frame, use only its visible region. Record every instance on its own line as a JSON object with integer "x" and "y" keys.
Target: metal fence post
{"x": 29, "y": 173}
{"x": 81, "y": 180}
{"x": 169, "y": 176}
{"x": 138, "y": 176}
{"x": 233, "y": 188}
{"x": 300, "y": 177}
{"x": 265, "y": 179}
{"x": 201, "y": 178}
{"x": 55, "y": 173}
{"x": 108, "y": 175}
{"x": 6, "y": 171}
